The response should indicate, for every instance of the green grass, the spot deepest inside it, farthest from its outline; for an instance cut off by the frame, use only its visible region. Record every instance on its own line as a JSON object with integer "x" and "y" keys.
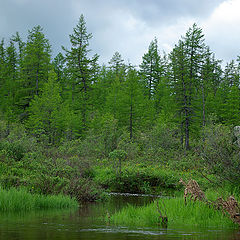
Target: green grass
{"x": 19, "y": 199}
{"x": 194, "y": 214}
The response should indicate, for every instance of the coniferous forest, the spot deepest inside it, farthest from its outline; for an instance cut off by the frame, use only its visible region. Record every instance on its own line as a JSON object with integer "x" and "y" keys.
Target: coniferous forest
{"x": 69, "y": 125}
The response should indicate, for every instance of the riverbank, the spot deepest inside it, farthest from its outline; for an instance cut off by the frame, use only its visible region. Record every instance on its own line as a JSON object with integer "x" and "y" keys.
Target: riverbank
{"x": 194, "y": 214}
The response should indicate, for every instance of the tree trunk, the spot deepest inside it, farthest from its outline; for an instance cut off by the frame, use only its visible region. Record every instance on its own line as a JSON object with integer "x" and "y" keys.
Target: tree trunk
{"x": 131, "y": 119}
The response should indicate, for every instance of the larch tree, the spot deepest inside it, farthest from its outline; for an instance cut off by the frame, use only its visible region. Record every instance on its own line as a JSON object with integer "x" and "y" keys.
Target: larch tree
{"x": 48, "y": 114}
{"x": 230, "y": 104}
{"x": 117, "y": 67}
{"x": 35, "y": 66}
{"x": 186, "y": 59}
{"x": 136, "y": 107}
{"x": 150, "y": 69}
{"x": 9, "y": 75}
{"x": 210, "y": 80}
{"x": 2, "y": 72}
{"x": 81, "y": 70}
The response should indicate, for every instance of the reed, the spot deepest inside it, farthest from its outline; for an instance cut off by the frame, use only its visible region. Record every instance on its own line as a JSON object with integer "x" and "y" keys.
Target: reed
{"x": 19, "y": 199}
{"x": 194, "y": 214}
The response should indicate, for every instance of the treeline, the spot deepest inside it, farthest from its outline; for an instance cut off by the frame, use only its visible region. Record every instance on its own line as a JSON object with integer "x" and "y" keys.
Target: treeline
{"x": 72, "y": 96}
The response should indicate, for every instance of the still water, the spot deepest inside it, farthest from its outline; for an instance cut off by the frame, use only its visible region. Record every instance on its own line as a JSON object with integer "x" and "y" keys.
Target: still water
{"x": 88, "y": 222}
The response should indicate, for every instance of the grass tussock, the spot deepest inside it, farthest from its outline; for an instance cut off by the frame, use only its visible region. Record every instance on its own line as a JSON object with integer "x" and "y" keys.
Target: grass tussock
{"x": 19, "y": 199}
{"x": 194, "y": 214}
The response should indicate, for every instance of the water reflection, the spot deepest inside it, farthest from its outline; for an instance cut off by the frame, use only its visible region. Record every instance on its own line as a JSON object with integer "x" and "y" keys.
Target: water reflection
{"x": 88, "y": 222}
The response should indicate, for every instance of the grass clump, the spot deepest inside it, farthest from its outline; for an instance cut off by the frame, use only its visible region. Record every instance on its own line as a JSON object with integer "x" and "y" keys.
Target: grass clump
{"x": 19, "y": 199}
{"x": 194, "y": 214}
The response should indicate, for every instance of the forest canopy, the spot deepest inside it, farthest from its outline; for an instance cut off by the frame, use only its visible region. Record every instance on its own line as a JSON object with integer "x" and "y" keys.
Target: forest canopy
{"x": 72, "y": 96}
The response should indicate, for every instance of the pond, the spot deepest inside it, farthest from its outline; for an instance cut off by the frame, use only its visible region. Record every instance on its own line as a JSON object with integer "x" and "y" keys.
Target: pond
{"x": 88, "y": 222}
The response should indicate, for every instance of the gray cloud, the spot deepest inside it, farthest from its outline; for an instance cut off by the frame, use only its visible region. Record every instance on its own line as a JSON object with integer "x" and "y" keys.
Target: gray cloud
{"x": 126, "y": 26}
{"x": 167, "y": 11}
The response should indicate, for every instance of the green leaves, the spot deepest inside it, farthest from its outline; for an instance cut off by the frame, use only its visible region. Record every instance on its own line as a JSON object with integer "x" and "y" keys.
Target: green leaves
{"x": 48, "y": 114}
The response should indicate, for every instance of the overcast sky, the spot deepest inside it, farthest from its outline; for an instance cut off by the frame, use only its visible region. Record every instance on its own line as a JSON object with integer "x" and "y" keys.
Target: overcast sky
{"x": 127, "y": 26}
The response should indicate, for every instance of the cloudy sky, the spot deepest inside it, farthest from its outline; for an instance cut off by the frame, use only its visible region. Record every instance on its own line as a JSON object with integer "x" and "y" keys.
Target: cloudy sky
{"x": 127, "y": 26}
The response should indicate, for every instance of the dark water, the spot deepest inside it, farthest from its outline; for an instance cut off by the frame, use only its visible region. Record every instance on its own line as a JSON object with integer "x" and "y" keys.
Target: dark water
{"x": 88, "y": 222}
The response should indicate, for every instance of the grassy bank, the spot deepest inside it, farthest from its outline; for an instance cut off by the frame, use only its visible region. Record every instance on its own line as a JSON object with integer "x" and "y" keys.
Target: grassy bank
{"x": 19, "y": 199}
{"x": 194, "y": 214}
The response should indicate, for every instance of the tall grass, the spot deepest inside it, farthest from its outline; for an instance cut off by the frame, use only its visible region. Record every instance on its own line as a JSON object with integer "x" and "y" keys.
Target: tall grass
{"x": 19, "y": 199}
{"x": 194, "y": 214}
